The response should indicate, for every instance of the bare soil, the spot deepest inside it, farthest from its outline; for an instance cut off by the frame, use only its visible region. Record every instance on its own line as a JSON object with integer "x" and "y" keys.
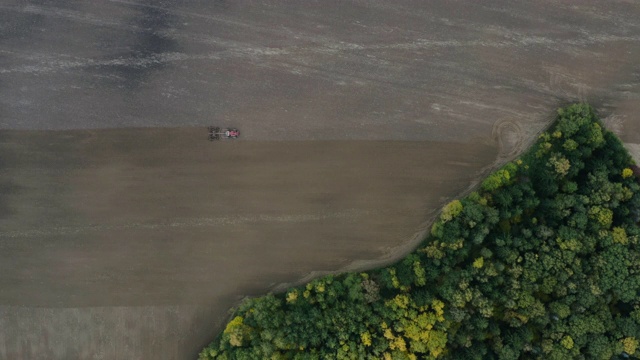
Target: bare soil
{"x": 158, "y": 232}
{"x": 133, "y": 244}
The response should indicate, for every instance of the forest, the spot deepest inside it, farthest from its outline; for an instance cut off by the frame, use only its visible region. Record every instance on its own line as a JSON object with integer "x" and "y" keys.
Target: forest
{"x": 542, "y": 261}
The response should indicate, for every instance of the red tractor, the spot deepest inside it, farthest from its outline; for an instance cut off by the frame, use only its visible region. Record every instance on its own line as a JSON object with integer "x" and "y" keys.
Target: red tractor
{"x": 216, "y": 133}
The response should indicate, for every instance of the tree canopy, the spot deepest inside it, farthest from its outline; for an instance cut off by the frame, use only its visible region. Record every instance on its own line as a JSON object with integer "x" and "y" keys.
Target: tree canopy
{"x": 541, "y": 262}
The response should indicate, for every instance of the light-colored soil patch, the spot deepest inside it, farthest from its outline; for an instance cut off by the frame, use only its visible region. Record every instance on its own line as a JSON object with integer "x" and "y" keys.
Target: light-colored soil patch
{"x": 107, "y": 222}
{"x": 114, "y": 332}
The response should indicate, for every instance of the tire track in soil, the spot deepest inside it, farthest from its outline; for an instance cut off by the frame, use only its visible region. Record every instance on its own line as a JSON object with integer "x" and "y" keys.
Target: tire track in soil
{"x": 184, "y": 224}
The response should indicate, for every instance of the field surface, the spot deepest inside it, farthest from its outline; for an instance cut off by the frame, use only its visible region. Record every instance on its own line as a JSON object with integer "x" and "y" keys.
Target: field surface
{"x": 139, "y": 240}
{"x": 125, "y": 234}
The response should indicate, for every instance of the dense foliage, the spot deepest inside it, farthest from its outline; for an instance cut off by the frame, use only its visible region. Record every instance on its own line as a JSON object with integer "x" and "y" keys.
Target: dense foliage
{"x": 542, "y": 262}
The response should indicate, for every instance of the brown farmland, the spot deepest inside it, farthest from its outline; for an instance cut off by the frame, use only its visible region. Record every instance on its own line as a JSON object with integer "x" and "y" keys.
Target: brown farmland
{"x": 165, "y": 222}
{"x": 359, "y": 120}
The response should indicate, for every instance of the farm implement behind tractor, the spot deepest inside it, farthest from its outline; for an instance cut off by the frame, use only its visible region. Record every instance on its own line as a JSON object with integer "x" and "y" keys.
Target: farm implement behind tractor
{"x": 216, "y": 133}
